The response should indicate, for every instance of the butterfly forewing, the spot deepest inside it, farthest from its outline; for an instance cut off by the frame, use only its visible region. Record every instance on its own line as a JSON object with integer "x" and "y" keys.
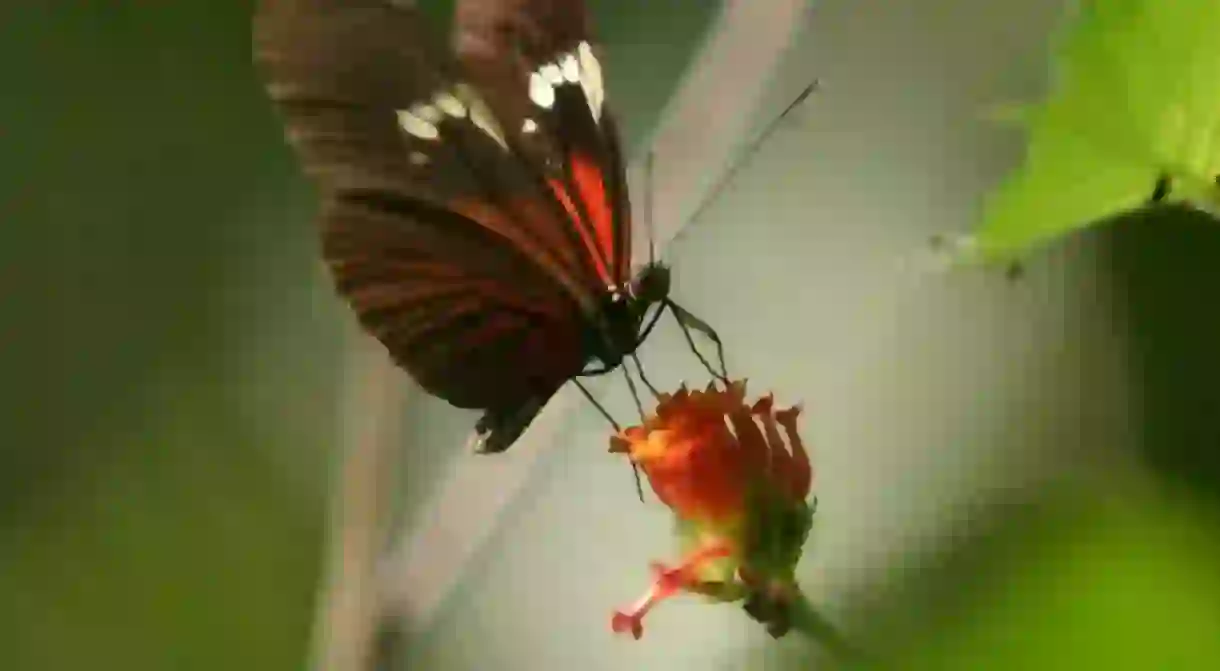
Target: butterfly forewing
{"x": 536, "y": 60}
{"x": 474, "y": 227}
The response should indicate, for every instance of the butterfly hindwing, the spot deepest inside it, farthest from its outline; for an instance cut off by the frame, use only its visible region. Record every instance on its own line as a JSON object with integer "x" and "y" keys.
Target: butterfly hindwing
{"x": 463, "y": 332}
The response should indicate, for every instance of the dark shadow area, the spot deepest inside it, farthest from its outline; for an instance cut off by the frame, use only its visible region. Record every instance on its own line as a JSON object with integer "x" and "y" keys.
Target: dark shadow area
{"x": 1167, "y": 264}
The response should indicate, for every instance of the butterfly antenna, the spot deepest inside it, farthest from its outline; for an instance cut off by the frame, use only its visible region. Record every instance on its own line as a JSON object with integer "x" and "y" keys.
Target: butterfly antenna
{"x": 649, "y": 225}
{"x": 750, "y": 151}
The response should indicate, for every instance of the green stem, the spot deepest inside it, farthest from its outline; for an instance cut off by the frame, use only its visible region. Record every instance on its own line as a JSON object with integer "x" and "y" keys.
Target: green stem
{"x": 806, "y": 620}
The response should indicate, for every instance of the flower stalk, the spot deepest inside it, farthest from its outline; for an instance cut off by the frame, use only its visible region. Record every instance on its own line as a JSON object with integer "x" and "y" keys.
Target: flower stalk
{"x": 808, "y": 621}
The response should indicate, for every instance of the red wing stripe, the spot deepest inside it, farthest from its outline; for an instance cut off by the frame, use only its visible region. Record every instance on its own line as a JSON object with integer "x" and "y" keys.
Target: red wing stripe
{"x": 588, "y": 178}
{"x": 592, "y": 192}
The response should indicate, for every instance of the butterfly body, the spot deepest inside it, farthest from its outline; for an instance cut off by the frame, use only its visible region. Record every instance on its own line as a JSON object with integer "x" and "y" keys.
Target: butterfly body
{"x": 624, "y": 312}
{"x": 474, "y": 202}
{"x": 605, "y": 345}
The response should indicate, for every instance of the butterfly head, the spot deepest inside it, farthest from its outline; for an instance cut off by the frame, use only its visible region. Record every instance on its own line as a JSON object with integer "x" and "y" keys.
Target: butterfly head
{"x": 623, "y": 313}
{"x": 651, "y": 285}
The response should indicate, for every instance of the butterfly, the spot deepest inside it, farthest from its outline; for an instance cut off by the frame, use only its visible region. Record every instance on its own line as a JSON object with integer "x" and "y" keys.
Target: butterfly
{"x": 474, "y": 206}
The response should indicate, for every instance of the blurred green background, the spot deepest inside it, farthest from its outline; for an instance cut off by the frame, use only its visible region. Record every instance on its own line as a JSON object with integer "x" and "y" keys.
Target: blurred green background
{"x": 169, "y": 365}
{"x": 172, "y": 361}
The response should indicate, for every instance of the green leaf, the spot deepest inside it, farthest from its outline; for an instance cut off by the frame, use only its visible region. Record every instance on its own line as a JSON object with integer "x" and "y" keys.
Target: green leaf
{"x": 1137, "y": 95}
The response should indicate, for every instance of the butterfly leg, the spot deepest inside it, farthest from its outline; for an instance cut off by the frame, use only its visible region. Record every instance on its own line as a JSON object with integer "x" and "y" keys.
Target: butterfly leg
{"x": 600, "y": 408}
{"x": 644, "y": 333}
{"x": 635, "y": 394}
{"x": 635, "y": 470}
{"x": 644, "y": 378}
{"x": 689, "y": 322}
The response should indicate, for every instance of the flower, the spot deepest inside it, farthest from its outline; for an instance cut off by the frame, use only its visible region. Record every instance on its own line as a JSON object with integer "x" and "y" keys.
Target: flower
{"x": 736, "y": 477}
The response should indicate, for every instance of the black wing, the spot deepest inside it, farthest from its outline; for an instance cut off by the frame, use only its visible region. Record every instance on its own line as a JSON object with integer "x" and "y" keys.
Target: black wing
{"x": 448, "y": 201}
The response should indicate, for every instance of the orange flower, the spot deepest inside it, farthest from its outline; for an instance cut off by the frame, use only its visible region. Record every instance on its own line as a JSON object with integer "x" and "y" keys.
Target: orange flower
{"x": 738, "y": 489}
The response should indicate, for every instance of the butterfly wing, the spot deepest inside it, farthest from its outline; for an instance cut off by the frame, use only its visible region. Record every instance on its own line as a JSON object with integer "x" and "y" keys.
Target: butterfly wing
{"x": 468, "y": 242}
{"x": 538, "y": 63}
{"x": 430, "y": 226}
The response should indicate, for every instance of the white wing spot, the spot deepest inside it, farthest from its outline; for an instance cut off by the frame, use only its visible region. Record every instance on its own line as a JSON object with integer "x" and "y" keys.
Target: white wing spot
{"x": 541, "y": 91}
{"x": 480, "y": 113}
{"x": 529, "y": 126}
{"x": 551, "y": 73}
{"x": 417, "y": 126}
{"x": 570, "y": 68}
{"x": 591, "y": 79}
{"x": 449, "y": 104}
{"x": 428, "y": 113}
{"x": 418, "y": 158}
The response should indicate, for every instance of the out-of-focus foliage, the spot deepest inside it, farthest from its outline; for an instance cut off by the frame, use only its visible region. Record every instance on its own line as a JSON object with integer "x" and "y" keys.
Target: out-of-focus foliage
{"x": 1136, "y": 94}
{"x": 1120, "y": 579}
{"x": 1124, "y": 581}
{"x": 168, "y": 366}
{"x": 1117, "y": 574}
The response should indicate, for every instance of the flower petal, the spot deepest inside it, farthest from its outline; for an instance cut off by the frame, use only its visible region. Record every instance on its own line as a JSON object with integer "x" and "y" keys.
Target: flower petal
{"x": 736, "y": 476}
{"x": 781, "y": 461}
{"x": 737, "y": 391}
{"x": 619, "y": 445}
{"x": 801, "y": 476}
{"x": 756, "y": 458}
{"x": 631, "y": 622}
